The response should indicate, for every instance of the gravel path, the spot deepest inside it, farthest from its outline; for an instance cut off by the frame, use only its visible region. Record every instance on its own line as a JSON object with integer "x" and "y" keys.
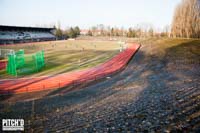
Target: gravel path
{"x": 152, "y": 94}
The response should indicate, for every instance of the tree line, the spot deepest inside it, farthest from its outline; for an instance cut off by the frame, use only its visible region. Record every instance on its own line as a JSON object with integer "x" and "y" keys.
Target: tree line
{"x": 72, "y": 32}
{"x": 185, "y": 24}
{"x": 140, "y": 30}
{"x": 186, "y": 20}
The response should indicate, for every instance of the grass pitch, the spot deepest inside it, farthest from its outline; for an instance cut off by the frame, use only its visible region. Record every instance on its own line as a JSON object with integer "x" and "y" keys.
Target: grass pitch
{"x": 65, "y": 56}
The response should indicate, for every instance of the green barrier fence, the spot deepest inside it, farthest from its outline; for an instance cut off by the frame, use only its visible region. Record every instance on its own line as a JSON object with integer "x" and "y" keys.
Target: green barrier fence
{"x": 19, "y": 63}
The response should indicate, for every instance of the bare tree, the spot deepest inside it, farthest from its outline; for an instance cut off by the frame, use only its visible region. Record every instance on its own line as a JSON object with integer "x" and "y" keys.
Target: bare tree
{"x": 186, "y": 21}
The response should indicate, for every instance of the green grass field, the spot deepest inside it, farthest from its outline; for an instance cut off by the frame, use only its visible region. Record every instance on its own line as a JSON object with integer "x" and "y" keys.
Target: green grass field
{"x": 65, "y": 56}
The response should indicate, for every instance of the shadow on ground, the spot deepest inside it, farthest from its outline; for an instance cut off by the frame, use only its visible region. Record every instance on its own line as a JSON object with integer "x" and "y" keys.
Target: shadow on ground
{"x": 154, "y": 93}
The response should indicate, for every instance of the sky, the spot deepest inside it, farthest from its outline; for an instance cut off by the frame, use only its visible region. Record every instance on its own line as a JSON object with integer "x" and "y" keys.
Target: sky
{"x": 87, "y": 13}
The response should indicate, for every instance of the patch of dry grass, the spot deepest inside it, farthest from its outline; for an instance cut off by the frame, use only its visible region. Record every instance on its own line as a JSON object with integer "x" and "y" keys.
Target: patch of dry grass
{"x": 65, "y": 56}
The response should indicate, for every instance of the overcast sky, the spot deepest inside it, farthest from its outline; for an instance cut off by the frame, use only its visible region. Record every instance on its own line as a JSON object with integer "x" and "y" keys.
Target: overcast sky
{"x": 86, "y": 13}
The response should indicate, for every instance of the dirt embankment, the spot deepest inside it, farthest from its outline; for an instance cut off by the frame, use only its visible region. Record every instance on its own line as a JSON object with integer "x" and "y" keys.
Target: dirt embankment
{"x": 158, "y": 91}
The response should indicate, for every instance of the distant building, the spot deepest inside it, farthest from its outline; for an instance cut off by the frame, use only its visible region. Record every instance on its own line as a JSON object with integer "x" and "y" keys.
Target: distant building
{"x": 96, "y": 32}
{"x": 84, "y": 32}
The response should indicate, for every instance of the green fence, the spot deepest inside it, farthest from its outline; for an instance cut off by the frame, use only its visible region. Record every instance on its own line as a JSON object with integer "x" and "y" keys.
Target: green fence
{"x": 20, "y": 64}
